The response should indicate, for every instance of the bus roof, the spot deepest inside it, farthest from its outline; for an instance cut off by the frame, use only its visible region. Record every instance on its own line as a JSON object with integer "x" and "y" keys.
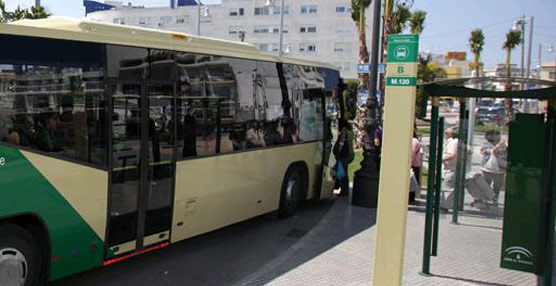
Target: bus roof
{"x": 91, "y": 31}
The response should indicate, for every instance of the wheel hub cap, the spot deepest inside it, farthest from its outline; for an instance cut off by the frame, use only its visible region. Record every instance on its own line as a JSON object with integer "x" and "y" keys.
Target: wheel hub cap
{"x": 13, "y": 267}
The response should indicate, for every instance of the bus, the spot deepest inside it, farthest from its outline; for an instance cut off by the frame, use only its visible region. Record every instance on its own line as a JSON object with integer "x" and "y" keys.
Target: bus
{"x": 116, "y": 141}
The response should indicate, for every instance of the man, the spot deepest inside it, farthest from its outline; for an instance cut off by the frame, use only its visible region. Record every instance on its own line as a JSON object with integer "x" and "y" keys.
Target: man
{"x": 449, "y": 161}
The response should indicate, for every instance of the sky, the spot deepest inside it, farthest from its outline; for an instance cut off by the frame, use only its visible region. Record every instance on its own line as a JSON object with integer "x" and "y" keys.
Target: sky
{"x": 447, "y": 26}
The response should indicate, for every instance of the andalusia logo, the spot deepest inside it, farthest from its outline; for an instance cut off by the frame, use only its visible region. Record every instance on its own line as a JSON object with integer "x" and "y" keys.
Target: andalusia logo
{"x": 518, "y": 254}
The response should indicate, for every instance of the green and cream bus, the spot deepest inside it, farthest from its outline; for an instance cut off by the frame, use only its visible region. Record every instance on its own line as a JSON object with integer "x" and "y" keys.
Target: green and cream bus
{"x": 116, "y": 140}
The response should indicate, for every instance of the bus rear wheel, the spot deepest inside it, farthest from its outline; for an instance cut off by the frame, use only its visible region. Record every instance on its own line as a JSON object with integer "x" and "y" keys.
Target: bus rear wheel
{"x": 20, "y": 259}
{"x": 292, "y": 189}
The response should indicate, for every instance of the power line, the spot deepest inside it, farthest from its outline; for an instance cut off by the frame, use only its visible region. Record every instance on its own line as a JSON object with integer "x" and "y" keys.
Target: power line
{"x": 468, "y": 29}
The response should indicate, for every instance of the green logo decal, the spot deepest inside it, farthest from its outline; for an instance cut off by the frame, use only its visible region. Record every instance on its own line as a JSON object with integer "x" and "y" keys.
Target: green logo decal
{"x": 401, "y": 52}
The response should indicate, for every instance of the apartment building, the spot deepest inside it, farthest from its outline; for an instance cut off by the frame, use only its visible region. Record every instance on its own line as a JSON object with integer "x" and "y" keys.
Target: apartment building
{"x": 320, "y": 30}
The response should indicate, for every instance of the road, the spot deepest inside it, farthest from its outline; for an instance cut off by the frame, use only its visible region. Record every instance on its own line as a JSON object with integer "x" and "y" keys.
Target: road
{"x": 222, "y": 257}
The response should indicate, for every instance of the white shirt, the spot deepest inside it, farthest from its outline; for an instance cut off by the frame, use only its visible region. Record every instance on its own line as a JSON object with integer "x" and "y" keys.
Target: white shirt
{"x": 450, "y": 148}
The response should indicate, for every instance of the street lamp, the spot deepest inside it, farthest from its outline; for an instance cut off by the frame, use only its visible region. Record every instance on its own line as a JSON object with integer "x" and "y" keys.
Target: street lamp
{"x": 271, "y": 3}
{"x": 519, "y": 25}
{"x": 206, "y": 14}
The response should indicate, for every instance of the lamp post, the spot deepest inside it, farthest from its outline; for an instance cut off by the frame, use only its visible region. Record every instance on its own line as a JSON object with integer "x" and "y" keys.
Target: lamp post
{"x": 205, "y": 15}
{"x": 272, "y": 3}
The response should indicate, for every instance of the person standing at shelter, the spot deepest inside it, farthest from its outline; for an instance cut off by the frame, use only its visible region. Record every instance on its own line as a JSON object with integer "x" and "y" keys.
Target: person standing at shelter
{"x": 416, "y": 157}
{"x": 449, "y": 159}
{"x": 494, "y": 151}
{"x": 343, "y": 151}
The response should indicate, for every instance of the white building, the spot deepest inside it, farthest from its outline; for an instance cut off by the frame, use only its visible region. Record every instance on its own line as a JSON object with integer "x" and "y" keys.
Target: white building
{"x": 320, "y": 30}
{"x": 548, "y": 71}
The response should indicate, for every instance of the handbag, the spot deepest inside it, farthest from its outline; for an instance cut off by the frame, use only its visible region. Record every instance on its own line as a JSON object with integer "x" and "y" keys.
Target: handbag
{"x": 492, "y": 164}
{"x": 340, "y": 171}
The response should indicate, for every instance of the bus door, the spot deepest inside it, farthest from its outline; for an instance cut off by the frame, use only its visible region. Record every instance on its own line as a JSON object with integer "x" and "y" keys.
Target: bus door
{"x": 142, "y": 165}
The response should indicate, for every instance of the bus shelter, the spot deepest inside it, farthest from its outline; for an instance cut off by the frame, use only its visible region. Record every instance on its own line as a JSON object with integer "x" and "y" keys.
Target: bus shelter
{"x": 529, "y": 190}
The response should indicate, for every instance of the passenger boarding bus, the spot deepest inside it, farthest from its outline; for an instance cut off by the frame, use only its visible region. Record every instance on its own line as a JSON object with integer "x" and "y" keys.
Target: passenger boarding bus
{"x": 115, "y": 141}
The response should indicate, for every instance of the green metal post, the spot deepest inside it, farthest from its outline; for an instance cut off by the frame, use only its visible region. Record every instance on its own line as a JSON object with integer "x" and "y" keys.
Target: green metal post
{"x": 457, "y": 190}
{"x": 551, "y": 189}
{"x": 430, "y": 188}
{"x": 438, "y": 186}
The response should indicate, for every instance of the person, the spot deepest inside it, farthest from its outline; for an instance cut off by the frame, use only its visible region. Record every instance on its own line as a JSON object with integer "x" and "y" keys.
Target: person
{"x": 449, "y": 159}
{"x": 47, "y": 124}
{"x": 272, "y": 136}
{"x": 494, "y": 161}
{"x": 253, "y": 136}
{"x": 189, "y": 136}
{"x": 13, "y": 137}
{"x": 237, "y": 136}
{"x": 343, "y": 151}
{"x": 416, "y": 157}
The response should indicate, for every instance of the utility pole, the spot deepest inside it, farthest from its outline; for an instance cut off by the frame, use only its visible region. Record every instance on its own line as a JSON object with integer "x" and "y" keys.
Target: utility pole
{"x": 530, "y": 47}
{"x": 280, "y": 48}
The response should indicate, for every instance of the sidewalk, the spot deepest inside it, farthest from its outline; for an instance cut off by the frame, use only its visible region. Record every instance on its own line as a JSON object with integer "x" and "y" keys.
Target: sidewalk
{"x": 469, "y": 253}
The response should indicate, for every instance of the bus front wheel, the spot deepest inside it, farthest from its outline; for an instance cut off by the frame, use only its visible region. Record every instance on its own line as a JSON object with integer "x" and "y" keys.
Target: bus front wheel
{"x": 20, "y": 259}
{"x": 292, "y": 189}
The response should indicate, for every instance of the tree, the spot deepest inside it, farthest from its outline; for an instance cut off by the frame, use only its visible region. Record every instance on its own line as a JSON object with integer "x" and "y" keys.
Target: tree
{"x": 19, "y": 13}
{"x": 37, "y": 13}
{"x": 428, "y": 71}
{"x": 358, "y": 15}
{"x": 399, "y": 19}
{"x": 513, "y": 39}
{"x": 476, "y": 43}
{"x": 417, "y": 22}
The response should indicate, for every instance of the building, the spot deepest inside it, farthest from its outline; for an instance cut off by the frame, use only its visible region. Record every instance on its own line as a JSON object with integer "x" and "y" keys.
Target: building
{"x": 548, "y": 71}
{"x": 455, "y": 64}
{"x": 318, "y": 30}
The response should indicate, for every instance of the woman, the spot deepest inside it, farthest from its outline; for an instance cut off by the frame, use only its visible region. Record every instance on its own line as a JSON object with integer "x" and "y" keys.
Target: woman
{"x": 494, "y": 152}
{"x": 343, "y": 151}
{"x": 416, "y": 157}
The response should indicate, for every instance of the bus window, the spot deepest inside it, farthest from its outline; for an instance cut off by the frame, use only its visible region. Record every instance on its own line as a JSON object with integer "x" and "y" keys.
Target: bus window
{"x": 56, "y": 107}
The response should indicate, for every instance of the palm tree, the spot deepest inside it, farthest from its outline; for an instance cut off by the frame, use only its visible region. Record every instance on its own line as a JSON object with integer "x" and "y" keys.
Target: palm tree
{"x": 358, "y": 15}
{"x": 37, "y": 13}
{"x": 19, "y": 13}
{"x": 417, "y": 22}
{"x": 399, "y": 19}
{"x": 513, "y": 39}
{"x": 476, "y": 43}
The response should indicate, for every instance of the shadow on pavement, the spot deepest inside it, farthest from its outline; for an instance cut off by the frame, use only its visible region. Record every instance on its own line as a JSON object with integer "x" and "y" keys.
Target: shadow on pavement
{"x": 236, "y": 253}
{"x": 476, "y": 282}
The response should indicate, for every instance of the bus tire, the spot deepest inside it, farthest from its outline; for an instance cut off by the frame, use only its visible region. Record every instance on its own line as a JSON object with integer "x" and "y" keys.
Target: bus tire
{"x": 20, "y": 257}
{"x": 292, "y": 190}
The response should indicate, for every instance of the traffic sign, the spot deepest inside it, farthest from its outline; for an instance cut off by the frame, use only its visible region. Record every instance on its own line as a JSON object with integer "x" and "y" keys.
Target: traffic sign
{"x": 363, "y": 68}
{"x": 381, "y": 68}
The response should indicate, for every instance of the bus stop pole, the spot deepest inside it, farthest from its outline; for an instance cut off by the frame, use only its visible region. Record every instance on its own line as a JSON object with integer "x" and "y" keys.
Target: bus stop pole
{"x": 551, "y": 189}
{"x": 461, "y": 143}
{"x": 430, "y": 188}
{"x": 465, "y": 138}
{"x": 438, "y": 187}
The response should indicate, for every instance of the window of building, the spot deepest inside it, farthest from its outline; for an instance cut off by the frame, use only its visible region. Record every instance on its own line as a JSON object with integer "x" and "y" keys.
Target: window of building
{"x": 237, "y": 12}
{"x": 342, "y": 47}
{"x": 268, "y": 30}
{"x": 345, "y": 28}
{"x": 235, "y": 29}
{"x": 268, "y": 47}
{"x": 343, "y": 9}
{"x": 182, "y": 19}
{"x": 166, "y": 19}
{"x": 308, "y": 29}
{"x": 52, "y": 99}
{"x": 144, "y": 20}
{"x": 307, "y": 48}
{"x": 270, "y": 10}
{"x": 120, "y": 21}
{"x": 308, "y": 9}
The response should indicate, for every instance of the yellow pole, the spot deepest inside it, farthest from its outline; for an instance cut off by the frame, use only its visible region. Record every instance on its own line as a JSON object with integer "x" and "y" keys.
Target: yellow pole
{"x": 399, "y": 113}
